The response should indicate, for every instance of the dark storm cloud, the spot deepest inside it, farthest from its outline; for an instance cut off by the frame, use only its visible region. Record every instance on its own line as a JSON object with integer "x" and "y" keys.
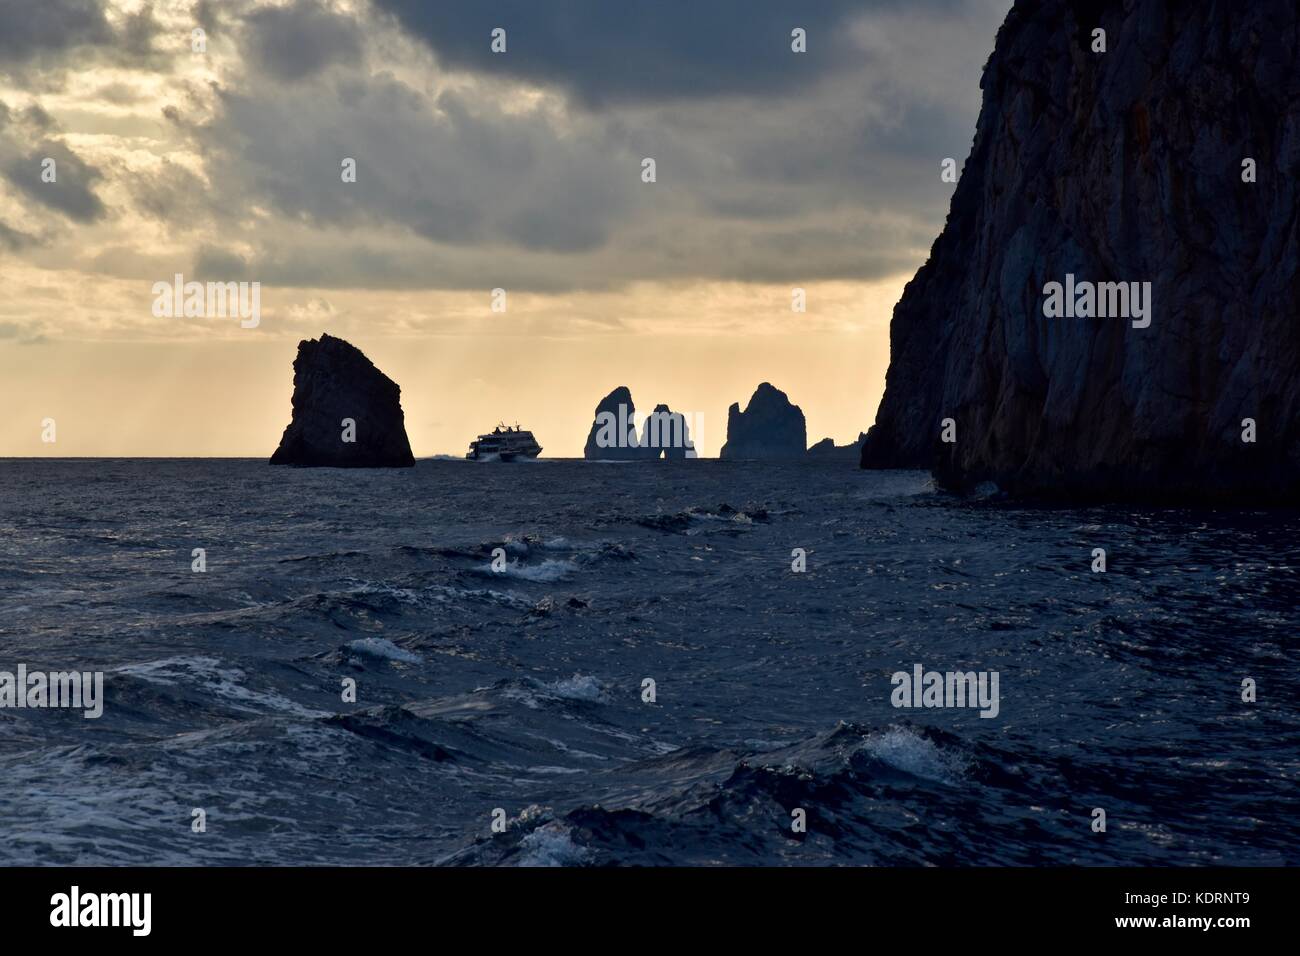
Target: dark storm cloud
{"x": 42, "y": 40}
{"x": 171, "y": 193}
{"x": 447, "y": 169}
{"x": 135, "y": 42}
{"x": 22, "y": 165}
{"x": 215, "y": 264}
{"x": 772, "y": 166}
{"x": 295, "y": 42}
{"x": 70, "y": 193}
{"x": 604, "y": 51}
{"x": 205, "y": 15}
{"x": 14, "y": 240}
{"x": 36, "y": 116}
{"x": 31, "y": 28}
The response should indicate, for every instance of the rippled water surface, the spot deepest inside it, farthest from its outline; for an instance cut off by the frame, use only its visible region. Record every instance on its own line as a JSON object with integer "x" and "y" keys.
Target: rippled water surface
{"x": 523, "y": 690}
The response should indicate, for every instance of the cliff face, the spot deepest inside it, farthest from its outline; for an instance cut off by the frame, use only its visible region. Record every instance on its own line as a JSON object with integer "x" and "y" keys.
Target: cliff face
{"x": 613, "y": 429}
{"x": 613, "y": 434}
{"x": 334, "y": 384}
{"x": 668, "y": 432}
{"x": 826, "y": 448}
{"x": 1123, "y": 166}
{"x": 769, "y": 427}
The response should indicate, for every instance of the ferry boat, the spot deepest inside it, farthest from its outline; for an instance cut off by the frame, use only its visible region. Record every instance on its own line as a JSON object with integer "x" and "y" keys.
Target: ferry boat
{"x": 504, "y": 444}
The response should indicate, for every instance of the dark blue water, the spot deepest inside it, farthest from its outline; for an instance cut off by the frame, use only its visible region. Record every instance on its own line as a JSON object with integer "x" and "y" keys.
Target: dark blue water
{"x": 522, "y": 690}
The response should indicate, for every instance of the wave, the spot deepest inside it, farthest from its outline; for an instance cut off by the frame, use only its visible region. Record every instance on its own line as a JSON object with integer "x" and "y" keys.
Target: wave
{"x": 904, "y": 749}
{"x": 552, "y": 569}
{"x": 383, "y": 648}
{"x": 551, "y": 844}
{"x": 534, "y": 693}
{"x": 212, "y": 677}
{"x": 724, "y": 517}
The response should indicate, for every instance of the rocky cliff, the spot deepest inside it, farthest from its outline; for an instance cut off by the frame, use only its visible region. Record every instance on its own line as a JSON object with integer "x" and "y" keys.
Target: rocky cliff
{"x": 770, "y": 427}
{"x": 826, "y": 448}
{"x": 346, "y": 413}
{"x": 668, "y": 432}
{"x": 613, "y": 429}
{"x": 1172, "y": 158}
{"x": 613, "y": 437}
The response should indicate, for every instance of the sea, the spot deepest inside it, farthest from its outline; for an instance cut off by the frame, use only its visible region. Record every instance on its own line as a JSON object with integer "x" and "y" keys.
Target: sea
{"x": 569, "y": 663}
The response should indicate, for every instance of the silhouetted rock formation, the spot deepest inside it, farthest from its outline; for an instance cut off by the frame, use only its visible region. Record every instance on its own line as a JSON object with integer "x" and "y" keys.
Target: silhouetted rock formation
{"x": 613, "y": 430}
{"x": 613, "y": 434}
{"x": 826, "y": 448}
{"x": 1124, "y": 166}
{"x": 667, "y": 431}
{"x": 334, "y": 385}
{"x": 769, "y": 427}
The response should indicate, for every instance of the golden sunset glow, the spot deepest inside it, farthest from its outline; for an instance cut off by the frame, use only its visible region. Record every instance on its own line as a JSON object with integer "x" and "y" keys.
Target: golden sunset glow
{"x": 224, "y": 165}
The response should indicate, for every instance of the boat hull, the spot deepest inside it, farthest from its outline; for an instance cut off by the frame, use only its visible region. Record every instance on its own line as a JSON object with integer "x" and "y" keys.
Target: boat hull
{"x": 501, "y": 455}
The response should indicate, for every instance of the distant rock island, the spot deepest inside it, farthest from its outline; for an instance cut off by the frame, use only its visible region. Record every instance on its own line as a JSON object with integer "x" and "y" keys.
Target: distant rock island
{"x": 770, "y": 427}
{"x": 1169, "y": 159}
{"x": 667, "y": 431}
{"x": 826, "y": 448}
{"x": 613, "y": 435}
{"x": 613, "y": 428}
{"x": 346, "y": 413}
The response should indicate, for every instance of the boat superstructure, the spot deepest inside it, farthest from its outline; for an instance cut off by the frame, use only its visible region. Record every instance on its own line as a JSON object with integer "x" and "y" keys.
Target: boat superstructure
{"x": 505, "y": 444}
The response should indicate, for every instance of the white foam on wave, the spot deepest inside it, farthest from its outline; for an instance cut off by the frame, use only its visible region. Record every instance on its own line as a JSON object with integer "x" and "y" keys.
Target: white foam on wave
{"x": 365, "y": 589}
{"x": 906, "y": 750}
{"x": 577, "y": 687}
{"x": 383, "y": 648}
{"x": 99, "y": 804}
{"x": 436, "y": 596}
{"x": 523, "y": 543}
{"x": 449, "y": 595}
{"x": 552, "y": 844}
{"x": 225, "y": 682}
{"x": 552, "y": 569}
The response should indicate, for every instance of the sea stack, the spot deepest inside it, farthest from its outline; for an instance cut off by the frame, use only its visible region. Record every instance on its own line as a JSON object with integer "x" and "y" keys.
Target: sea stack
{"x": 666, "y": 431}
{"x": 826, "y": 448}
{"x": 346, "y": 413}
{"x": 770, "y": 427}
{"x": 1111, "y": 309}
{"x": 613, "y": 429}
{"x": 613, "y": 434}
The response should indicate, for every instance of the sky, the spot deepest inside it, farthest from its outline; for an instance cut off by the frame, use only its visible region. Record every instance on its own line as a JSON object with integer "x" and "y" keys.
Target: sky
{"x": 133, "y": 149}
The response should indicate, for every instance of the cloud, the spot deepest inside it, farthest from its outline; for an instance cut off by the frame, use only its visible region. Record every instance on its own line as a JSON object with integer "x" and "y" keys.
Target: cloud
{"x": 71, "y": 192}
{"x": 298, "y": 41}
{"x": 134, "y": 42}
{"x": 606, "y": 53}
{"x": 23, "y": 166}
{"x": 15, "y": 240}
{"x": 30, "y": 29}
{"x": 22, "y": 334}
{"x": 520, "y": 170}
{"x": 171, "y": 194}
{"x": 447, "y": 169}
{"x": 219, "y": 265}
